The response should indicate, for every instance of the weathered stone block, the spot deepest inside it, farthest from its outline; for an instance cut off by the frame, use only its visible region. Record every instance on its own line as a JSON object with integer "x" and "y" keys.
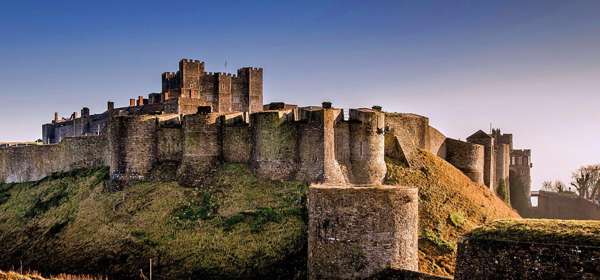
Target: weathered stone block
{"x": 355, "y": 232}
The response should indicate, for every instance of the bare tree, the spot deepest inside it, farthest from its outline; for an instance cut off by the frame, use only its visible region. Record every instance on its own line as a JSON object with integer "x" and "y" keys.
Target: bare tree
{"x": 586, "y": 180}
{"x": 556, "y": 186}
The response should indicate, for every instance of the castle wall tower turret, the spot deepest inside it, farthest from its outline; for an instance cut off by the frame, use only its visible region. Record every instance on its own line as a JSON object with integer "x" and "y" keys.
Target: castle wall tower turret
{"x": 503, "y": 146}
{"x": 223, "y": 92}
{"x": 202, "y": 149}
{"x": 274, "y": 154}
{"x": 467, "y": 157}
{"x": 489, "y": 164}
{"x": 520, "y": 180}
{"x": 316, "y": 145}
{"x": 133, "y": 146}
{"x": 191, "y": 72}
{"x": 251, "y": 87}
{"x": 367, "y": 147}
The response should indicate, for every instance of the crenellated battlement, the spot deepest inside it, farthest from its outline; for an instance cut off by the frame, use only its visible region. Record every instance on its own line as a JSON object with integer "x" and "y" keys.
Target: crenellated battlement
{"x": 312, "y": 144}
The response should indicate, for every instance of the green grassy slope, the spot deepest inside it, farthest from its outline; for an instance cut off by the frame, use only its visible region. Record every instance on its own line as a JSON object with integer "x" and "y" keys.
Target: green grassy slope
{"x": 234, "y": 226}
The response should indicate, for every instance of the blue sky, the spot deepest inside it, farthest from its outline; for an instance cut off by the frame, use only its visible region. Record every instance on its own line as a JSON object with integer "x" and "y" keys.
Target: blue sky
{"x": 530, "y": 68}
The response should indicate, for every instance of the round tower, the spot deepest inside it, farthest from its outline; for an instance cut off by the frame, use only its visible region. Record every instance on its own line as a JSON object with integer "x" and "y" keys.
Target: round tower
{"x": 274, "y": 152}
{"x": 133, "y": 146}
{"x": 467, "y": 157}
{"x": 201, "y": 148}
{"x": 357, "y": 232}
{"x": 367, "y": 146}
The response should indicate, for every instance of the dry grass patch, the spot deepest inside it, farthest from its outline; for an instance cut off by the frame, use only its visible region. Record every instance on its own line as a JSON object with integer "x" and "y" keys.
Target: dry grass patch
{"x": 450, "y": 204}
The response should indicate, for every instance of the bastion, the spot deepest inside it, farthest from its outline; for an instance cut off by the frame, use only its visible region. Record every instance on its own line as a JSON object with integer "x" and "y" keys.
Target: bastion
{"x": 531, "y": 249}
{"x": 357, "y": 231}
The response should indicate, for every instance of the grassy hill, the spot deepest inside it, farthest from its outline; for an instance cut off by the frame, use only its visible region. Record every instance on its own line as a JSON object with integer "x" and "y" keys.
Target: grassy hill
{"x": 450, "y": 204}
{"x": 234, "y": 226}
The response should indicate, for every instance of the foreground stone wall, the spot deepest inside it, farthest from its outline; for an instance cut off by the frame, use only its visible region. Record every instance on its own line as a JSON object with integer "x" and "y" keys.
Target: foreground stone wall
{"x": 486, "y": 259}
{"x": 31, "y": 163}
{"x": 530, "y": 249}
{"x": 356, "y": 232}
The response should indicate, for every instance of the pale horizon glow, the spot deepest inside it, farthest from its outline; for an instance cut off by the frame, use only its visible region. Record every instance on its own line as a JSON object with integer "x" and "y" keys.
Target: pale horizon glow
{"x": 530, "y": 68}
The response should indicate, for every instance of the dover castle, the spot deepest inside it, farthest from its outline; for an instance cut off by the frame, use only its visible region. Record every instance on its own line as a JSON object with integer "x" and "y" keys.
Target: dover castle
{"x": 202, "y": 119}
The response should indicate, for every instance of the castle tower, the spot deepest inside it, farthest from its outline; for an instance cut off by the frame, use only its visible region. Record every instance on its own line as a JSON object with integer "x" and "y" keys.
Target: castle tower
{"x": 223, "y": 92}
{"x": 316, "y": 148}
{"x": 367, "y": 146}
{"x": 502, "y": 150}
{"x": 191, "y": 72}
{"x": 520, "y": 180}
{"x": 202, "y": 148}
{"x": 191, "y": 87}
{"x": 489, "y": 163}
{"x": 467, "y": 157}
{"x": 355, "y": 232}
{"x": 250, "y": 89}
{"x": 274, "y": 154}
{"x": 132, "y": 142}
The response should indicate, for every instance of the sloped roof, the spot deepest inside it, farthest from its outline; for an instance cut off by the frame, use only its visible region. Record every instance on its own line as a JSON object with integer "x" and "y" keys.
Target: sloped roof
{"x": 479, "y": 134}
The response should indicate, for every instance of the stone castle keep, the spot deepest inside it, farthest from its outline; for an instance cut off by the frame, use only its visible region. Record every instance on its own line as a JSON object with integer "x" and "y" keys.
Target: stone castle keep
{"x": 200, "y": 120}
{"x": 182, "y": 93}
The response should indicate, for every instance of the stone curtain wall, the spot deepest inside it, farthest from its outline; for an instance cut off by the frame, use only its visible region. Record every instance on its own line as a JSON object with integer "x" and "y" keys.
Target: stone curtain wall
{"x": 437, "y": 142}
{"x": 237, "y": 145}
{"x": 31, "y": 163}
{"x": 310, "y": 144}
{"x": 563, "y": 206}
{"x": 410, "y": 126}
{"x": 355, "y": 232}
{"x": 170, "y": 144}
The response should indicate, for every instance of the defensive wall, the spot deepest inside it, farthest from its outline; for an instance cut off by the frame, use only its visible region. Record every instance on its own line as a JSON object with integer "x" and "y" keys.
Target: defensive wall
{"x": 566, "y": 206}
{"x": 311, "y": 144}
{"x": 34, "y": 162}
{"x": 308, "y": 144}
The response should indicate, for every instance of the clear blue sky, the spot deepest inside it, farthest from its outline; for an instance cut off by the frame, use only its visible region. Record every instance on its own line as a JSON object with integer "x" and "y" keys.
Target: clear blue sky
{"x": 531, "y": 68}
